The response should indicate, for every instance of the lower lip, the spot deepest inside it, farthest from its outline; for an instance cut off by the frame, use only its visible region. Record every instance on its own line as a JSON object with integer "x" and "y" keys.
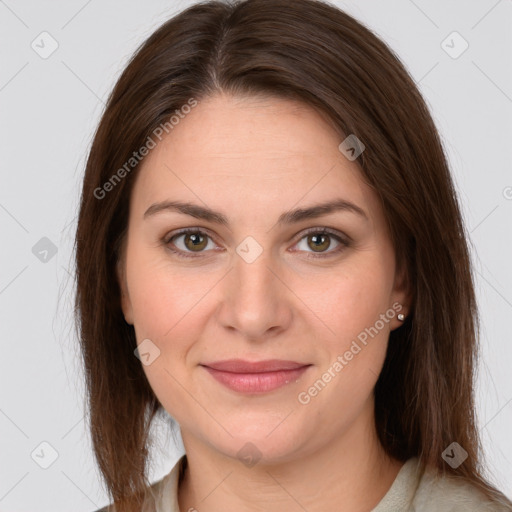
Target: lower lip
{"x": 256, "y": 382}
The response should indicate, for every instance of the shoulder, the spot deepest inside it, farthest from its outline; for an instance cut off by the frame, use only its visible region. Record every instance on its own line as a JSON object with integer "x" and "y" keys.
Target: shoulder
{"x": 444, "y": 493}
{"x": 415, "y": 490}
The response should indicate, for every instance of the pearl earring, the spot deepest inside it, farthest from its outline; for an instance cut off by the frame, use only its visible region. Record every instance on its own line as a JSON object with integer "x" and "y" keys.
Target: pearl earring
{"x": 401, "y": 317}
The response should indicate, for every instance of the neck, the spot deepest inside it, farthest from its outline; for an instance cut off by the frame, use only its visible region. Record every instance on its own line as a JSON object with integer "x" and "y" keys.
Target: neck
{"x": 351, "y": 471}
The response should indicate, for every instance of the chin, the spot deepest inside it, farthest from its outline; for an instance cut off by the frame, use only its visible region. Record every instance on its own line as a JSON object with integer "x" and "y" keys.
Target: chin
{"x": 252, "y": 443}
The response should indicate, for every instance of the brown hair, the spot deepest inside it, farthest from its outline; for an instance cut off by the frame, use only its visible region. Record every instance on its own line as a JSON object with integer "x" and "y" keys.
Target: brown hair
{"x": 314, "y": 52}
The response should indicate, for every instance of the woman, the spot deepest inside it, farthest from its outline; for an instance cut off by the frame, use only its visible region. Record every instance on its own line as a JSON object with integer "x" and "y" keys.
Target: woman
{"x": 270, "y": 249}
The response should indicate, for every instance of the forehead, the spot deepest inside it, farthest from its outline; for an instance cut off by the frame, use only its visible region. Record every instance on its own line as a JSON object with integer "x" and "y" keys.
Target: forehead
{"x": 266, "y": 127}
{"x": 268, "y": 150}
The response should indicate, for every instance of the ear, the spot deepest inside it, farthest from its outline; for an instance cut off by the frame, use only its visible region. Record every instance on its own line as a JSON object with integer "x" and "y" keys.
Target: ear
{"x": 126, "y": 304}
{"x": 401, "y": 298}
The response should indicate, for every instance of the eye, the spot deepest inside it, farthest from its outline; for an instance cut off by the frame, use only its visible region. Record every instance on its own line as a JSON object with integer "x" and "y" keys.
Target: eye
{"x": 194, "y": 240}
{"x": 319, "y": 240}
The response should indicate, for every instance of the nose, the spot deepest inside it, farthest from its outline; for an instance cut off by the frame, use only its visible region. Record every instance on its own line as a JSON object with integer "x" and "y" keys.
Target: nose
{"x": 255, "y": 300}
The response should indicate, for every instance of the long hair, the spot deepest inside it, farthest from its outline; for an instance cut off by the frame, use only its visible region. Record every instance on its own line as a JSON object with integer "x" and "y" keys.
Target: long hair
{"x": 310, "y": 51}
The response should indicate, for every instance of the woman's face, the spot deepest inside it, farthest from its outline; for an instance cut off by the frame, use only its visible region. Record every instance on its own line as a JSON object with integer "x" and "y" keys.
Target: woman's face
{"x": 262, "y": 284}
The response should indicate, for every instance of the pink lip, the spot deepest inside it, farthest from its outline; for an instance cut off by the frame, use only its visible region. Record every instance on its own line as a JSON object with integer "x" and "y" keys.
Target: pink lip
{"x": 257, "y": 377}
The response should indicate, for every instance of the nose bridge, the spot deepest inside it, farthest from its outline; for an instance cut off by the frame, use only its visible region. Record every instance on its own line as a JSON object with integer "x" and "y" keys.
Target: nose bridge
{"x": 254, "y": 299}
{"x": 253, "y": 279}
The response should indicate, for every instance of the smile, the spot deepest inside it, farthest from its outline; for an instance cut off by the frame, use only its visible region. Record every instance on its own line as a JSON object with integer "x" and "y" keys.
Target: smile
{"x": 261, "y": 382}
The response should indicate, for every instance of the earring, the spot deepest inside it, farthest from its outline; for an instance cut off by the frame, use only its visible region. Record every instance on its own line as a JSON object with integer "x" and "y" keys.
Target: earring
{"x": 401, "y": 317}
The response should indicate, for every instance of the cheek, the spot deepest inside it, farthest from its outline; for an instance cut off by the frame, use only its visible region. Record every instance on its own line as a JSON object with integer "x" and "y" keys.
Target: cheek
{"x": 163, "y": 297}
{"x": 356, "y": 342}
{"x": 354, "y": 347}
{"x": 353, "y": 300}
{"x": 170, "y": 308}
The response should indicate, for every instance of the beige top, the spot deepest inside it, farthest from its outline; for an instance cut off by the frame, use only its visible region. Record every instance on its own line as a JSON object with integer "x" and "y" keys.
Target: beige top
{"x": 408, "y": 493}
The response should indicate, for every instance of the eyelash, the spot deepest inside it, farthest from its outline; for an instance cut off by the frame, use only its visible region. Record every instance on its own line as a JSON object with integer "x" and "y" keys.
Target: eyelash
{"x": 344, "y": 242}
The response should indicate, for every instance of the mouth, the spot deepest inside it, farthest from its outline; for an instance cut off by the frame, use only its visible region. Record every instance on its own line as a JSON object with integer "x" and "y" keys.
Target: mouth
{"x": 255, "y": 377}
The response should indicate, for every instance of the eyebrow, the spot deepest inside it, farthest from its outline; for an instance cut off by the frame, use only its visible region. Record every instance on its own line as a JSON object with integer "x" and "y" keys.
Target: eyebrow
{"x": 290, "y": 217}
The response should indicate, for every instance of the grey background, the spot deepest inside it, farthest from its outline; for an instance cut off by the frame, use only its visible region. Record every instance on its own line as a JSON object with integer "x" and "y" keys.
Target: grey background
{"x": 49, "y": 110}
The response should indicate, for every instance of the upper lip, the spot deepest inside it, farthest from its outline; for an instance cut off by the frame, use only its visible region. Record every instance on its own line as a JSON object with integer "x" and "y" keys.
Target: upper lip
{"x": 241, "y": 366}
